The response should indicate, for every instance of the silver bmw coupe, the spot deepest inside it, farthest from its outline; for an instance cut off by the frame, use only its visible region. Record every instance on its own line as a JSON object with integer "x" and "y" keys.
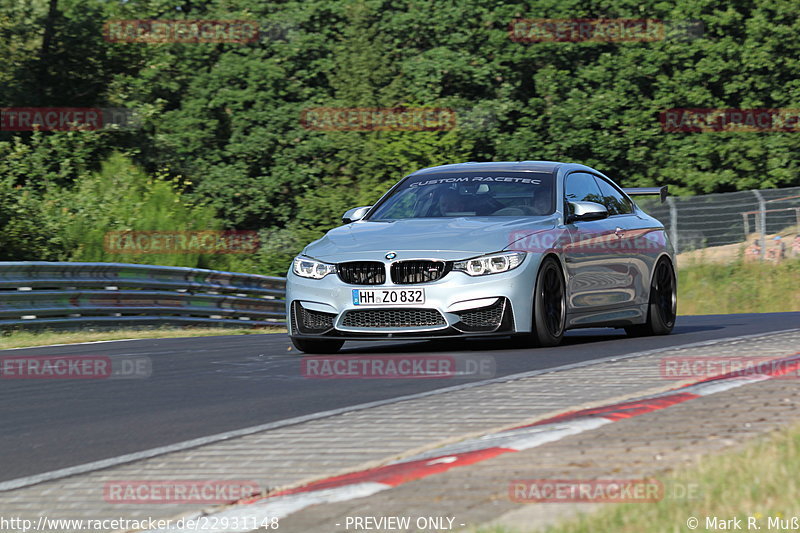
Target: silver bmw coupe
{"x": 524, "y": 249}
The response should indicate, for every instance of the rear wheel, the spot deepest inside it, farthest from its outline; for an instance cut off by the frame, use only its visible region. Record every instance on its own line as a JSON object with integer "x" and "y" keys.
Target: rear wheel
{"x": 661, "y": 310}
{"x": 317, "y": 345}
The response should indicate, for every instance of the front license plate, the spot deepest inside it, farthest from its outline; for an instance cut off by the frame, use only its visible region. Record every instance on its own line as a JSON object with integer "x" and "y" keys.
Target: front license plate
{"x": 388, "y": 297}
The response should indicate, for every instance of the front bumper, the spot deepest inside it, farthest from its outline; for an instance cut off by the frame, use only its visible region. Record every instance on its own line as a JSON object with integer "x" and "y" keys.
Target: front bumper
{"x": 456, "y": 305}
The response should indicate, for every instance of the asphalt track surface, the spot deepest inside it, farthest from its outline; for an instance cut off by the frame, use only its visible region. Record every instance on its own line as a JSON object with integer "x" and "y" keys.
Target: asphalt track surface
{"x": 207, "y": 385}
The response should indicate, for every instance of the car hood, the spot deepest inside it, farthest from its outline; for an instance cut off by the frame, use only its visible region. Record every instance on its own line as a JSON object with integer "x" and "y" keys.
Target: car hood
{"x": 444, "y": 238}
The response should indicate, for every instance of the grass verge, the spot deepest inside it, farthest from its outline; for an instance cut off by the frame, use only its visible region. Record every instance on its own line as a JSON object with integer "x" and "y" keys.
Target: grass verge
{"x": 758, "y": 481}
{"x": 706, "y": 289}
{"x": 22, "y": 339}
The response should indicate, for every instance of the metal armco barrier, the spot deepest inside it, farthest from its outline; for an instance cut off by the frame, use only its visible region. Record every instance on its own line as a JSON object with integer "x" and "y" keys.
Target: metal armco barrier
{"x": 40, "y": 294}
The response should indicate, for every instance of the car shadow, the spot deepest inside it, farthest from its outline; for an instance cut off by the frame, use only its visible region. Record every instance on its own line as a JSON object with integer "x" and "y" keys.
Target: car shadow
{"x": 483, "y": 344}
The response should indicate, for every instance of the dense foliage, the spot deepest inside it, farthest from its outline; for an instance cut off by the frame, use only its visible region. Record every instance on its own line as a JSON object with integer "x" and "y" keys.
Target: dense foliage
{"x": 220, "y": 144}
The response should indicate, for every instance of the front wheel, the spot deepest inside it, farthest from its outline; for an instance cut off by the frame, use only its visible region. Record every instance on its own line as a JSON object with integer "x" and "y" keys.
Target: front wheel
{"x": 661, "y": 310}
{"x": 317, "y": 345}
{"x": 549, "y": 305}
{"x": 549, "y": 308}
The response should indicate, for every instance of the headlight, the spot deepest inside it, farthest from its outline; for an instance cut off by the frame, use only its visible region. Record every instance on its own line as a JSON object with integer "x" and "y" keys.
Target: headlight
{"x": 490, "y": 264}
{"x": 309, "y": 268}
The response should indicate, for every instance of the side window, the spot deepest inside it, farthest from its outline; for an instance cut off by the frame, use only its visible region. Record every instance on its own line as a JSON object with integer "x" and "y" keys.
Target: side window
{"x": 582, "y": 187}
{"x": 615, "y": 201}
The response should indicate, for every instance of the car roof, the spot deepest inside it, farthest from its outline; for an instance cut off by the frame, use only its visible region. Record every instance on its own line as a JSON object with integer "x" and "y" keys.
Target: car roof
{"x": 530, "y": 166}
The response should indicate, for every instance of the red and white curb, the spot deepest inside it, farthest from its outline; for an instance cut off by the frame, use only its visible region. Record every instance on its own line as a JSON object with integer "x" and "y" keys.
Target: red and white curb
{"x": 367, "y": 482}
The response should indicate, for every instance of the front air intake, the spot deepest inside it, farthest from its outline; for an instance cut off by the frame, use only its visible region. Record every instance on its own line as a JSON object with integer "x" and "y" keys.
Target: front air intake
{"x": 310, "y": 322}
{"x": 393, "y": 318}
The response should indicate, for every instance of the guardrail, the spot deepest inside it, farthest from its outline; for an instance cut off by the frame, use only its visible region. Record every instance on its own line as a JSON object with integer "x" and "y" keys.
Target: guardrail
{"x": 39, "y": 294}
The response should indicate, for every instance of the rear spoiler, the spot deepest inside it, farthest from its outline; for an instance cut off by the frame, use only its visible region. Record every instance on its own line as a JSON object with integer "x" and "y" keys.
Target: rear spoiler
{"x": 648, "y": 191}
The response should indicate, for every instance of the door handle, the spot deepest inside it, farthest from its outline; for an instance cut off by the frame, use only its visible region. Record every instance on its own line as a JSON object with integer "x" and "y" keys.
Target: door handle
{"x": 619, "y": 232}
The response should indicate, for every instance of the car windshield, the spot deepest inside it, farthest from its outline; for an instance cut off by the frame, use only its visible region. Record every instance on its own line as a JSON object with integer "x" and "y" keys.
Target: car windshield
{"x": 469, "y": 194}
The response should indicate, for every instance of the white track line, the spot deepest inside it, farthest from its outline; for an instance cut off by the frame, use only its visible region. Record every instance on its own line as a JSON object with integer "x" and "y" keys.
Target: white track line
{"x": 80, "y": 343}
{"x": 126, "y": 340}
{"x": 201, "y": 441}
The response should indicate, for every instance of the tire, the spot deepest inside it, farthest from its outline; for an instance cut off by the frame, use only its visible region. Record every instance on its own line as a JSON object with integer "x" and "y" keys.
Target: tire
{"x": 317, "y": 345}
{"x": 662, "y": 306}
{"x": 549, "y": 304}
{"x": 549, "y": 309}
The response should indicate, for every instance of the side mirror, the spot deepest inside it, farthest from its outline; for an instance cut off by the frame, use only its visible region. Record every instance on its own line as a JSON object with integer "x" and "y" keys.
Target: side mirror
{"x": 583, "y": 211}
{"x": 357, "y": 213}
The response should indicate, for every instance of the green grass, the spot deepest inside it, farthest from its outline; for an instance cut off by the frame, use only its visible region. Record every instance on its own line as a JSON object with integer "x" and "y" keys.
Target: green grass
{"x": 705, "y": 289}
{"x": 759, "y": 480}
{"x": 22, "y": 339}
